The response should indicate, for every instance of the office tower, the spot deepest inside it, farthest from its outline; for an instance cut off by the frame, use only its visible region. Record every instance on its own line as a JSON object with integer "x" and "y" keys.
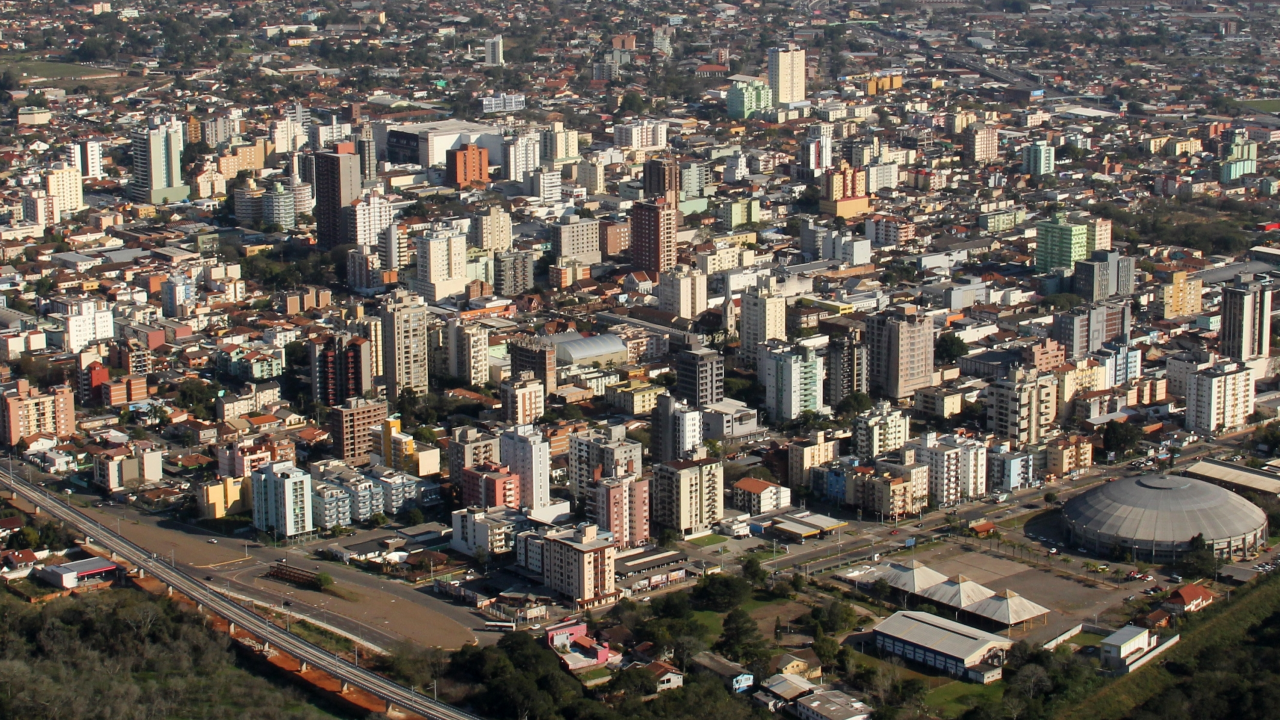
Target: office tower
{"x": 337, "y": 185}
{"x": 746, "y": 99}
{"x": 526, "y": 452}
{"x": 536, "y": 355}
{"x": 699, "y": 376}
{"x": 580, "y": 567}
{"x": 653, "y": 235}
{"x": 763, "y": 318}
{"x": 468, "y": 447}
{"x": 846, "y": 368}
{"x": 676, "y": 429}
{"x": 491, "y": 230}
{"x": 1060, "y": 244}
{"x": 63, "y": 182}
{"x": 39, "y": 207}
{"x": 957, "y": 467}
{"x": 468, "y": 352}
{"x": 792, "y": 377}
{"x": 26, "y": 411}
{"x": 682, "y": 291}
{"x": 521, "y": 155}
{"x": 576, "y": 238}
{"x": 405, "y": 323}
{"x": 615, "y": 237}
{"x": 787, "y": 74}
{"x": 621, "y": 506}
{"x": 900, "y": 350}
{"x": 559, "y": 146}
{"x": 1038, "y": 158}
{"x": 493, "y": 52}
{"x": 980, "y": 144}
{"x": 662, "y": 179}
{"x": 1105, "y": 274}
{"x": 600, "y": 453}
{"x": 442, "y": 264}
{"x": 157, "y": 162}
{"x": 341, "y": 368}
{"x": 1246, "y": 318}
{"x": 88, "y": 158}
{"x": 1181, "y": 296}
{"x": 523, "y": 398}
{"x": 467, "y": 166}
{"x": 879, "y": 430}
{"x": 1085, "y": 329}
{"x": 513, "y": 272}
{"x": 688, "y": 495}
{"x": 368, "y": 218}
{"x": 1219, "y": 398}
{"x": 351, "y": 424}
{"x": 544, "y": 185}
{"x": 1023, "y": 406}
{"x": 282, "y": 500}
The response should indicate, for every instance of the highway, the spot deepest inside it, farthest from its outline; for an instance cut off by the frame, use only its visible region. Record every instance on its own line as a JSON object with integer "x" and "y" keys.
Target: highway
{"x": 315, "y": 657}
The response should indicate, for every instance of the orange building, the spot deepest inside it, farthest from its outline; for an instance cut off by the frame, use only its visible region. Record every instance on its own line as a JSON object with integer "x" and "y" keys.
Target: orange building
{"x": 466, "y": 166}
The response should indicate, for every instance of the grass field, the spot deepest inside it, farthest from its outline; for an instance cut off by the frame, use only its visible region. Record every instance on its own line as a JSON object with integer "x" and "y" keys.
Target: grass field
{"x": 1085, "y": 639}
{"x": 708, "y": 540}
{"x": 52, "y": 70}
{"x": 952, "y": 699}
{"x": 321, "y": 637}
{"x": 1263, "y": 105}
{"x": 712, "y": 620}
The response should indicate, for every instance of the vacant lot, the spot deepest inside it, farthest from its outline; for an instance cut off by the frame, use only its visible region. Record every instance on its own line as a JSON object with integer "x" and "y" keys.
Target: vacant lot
{"x": 52, "y": 70}
{"x": 1262, "y": 105}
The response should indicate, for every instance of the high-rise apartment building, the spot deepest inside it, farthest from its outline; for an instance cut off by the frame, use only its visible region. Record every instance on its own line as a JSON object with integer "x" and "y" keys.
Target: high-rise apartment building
{"x": 980, "y": 144}
{"x": 747, "y": 99}
{"x": 764, "y": 317}
{"x": 1087, "y": 328}
{"x": 676, "y": 430}
{"x": 282, "y": 500}
{"x": 653, "y": 235}
{"x": 491, "y": 230}
{"x": 523, "y": 399}
{"x": 405, "y": 325}
{"x": 468, "y": 349}
{"x": 880, "y": 430}
{"x": 442, "y": 263}
{"x": 527, "y": 453}
{"x": 1023, "y": 406}
{"x": 900, "y": 351}
{"x": 88, "y": 159}
{"x": 1060, "y": 244}
{"x": 26, "y": 411}
{"x": 536, "y": 355}
{"x": 846, "y": 368}
{"x": 367, "y": 219}
{"x": 957, "y": 467}
{"x": 1181, "y": 296}
{"x": 467, "y": 166}
{"x": 793, "y": 377}
{"x": 688, "y": 495}
{"x": 682, "y": 291}
{"x": 341, "y": 368}
{"x": 470, "y": 446}
{"x": 662, "y": 178}
{"x": 580, "y": 568}
{"x": 1246, "y": 318}
{"x": 787, "y": 74}
{"x": 337, "y": 185}
{"x": 559, "y": 146}
{"x": 1219, "y": 398}
{"x": 513, "y": 272}
{"x": 157, "y": 162}
{"x": 489, "y": 485}
{"x": 521, "y": 155}
{"x": 1105, "y": 274}
{"x": 576, "y": 238}
{"x": 351, "y": 425}
{"x": 600, "y": 453}
{"x": 63, "y": 181}
{"x": 493, "y": 52}
{"x": 621, "y": 506}
{"x": 1038, "y": 158}
{"x": 699, "y": 376}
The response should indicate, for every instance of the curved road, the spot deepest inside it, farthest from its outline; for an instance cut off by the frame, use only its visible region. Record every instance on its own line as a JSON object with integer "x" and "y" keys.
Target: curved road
{"x": 178, "y": 580}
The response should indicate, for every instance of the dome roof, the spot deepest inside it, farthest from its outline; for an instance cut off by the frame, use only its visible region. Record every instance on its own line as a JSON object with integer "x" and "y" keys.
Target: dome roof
{"x": 1163, "y": 509}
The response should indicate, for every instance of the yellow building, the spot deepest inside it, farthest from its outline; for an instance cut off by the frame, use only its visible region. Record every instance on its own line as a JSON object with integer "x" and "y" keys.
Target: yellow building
{"x": 1070, "y": 454}
{"x": 398, "y": 449}
{"x": 1182, "y": 296}
{"x": 802, "y": 455}
{"x": 634, "y": 397}
{"x": 220, "y": 498}
{"x": 1074, "y": 379}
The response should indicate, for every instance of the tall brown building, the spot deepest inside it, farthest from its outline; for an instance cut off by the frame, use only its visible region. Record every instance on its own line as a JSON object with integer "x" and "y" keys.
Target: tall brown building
{"x": 653, "y": 235}
{"x": 341, "y": 368}
{"x": 662, "y": 179}
{"x": 536, "y": 355}
{"x": 466, "y": 166}
{"x": 337, "y": 185}
{"x": 614, "y": 237}
{"x": 351, "y": 425}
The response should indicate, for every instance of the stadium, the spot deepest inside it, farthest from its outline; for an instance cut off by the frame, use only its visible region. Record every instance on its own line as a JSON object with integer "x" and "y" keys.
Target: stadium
{"x": 1155, "y": 517}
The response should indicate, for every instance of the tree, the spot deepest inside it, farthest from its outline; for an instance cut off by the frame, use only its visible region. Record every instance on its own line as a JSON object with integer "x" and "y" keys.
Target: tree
{"x": 752, "y": 570}
{"x": 1051, "y": 497}
{"x": 741, "y": 639}
{"x": 720, "y": 592}
{"x": 854, "y": 403}
{"x": 1121, "y": 438}
{"x": 413, "y": 516}
{"x": 1062, "y": 301}
{"x": 826, "y": 648}
{"x": 798, "y": 581}
{"x": 324, "y": 580}
{"x": 378, "y": 520}
{"x": 1200, "y": 560}
{"x": 949, "y": 348}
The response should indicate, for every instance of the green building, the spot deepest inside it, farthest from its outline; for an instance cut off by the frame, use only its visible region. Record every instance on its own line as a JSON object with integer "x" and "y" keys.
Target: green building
{"x": 1059, "y": 244}
{"x": 748, "y": 98}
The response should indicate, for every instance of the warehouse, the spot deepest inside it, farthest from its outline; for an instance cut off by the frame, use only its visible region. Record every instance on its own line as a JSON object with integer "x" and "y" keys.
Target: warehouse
{"x": 956, "y": 649}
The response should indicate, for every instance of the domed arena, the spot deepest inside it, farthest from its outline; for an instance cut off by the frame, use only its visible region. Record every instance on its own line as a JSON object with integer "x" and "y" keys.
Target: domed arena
{"x": 1154, "y": 518}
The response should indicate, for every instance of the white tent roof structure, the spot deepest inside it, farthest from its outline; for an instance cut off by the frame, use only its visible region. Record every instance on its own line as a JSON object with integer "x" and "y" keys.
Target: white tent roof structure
{"x": 911, "y": 576}
{"x": 957, "y": 592}
{"x": 1007, "y": 608}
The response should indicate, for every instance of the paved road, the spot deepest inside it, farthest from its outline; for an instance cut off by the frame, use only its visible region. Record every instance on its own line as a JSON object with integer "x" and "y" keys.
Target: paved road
{"x": 195, "y": 590}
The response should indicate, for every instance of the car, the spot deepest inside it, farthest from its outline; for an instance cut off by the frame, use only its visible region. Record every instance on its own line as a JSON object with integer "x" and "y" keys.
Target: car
{"x": 208, "y": 578}
{"x": 893, "y": 532}
{"x": 1131, "y": 598}
{"x": 919, "y": 525}
{"x": 1081, "y": 550}
{"x": 1175, "y": 578}
{"x": 1148, "y": 577}
{"x": 1053, "y": 551}
{"x": 213, "y": 541}
{"x": 288, "y": 603}
{"x": 535, "y": 626}
{"x": 97, "y": 504}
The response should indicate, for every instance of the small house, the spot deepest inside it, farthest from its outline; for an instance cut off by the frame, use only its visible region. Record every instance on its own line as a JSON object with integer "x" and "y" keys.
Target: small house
{"x": 1188, "y": 599}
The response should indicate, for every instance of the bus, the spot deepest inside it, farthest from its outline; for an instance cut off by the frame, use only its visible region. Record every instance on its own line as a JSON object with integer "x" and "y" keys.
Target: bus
{"x": 500, "y": 626}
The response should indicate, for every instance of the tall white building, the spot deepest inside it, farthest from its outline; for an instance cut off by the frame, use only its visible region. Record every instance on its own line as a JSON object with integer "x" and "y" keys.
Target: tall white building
{"x": 491, "y": 230}
{"x": 957, "y": 467}
{"x": 676, "y": 430}
{"x": 1024, "y": 406}
{"x": 468, "y": 352}
{"x": 682, "y": 291}
{"x": 601, "y": 453}
{"x": 523, "y": 398}
{"x": 527, "y": 454}
{"x": 493, "y": 52}
{"x": 370, "y": 217}
{"x": 157, "y": 162}
{"x": 1246, "y": 318}
{"x": 787, "y": 74}
{"x": 442, "y": 263}
{"x": 641, "y": 135}
{"x": 591, "y": 175}
{"x": 1038, "y": 158}
{"x": 559, "y": 146}
{"x": 42, "y": 208}
{"x": 688, "y": 495}
{"x": 544, "y": 184}
{"x": 83, "y": 321}
{"x": 282, "y": 500}
{"x": 63, "y": 181}
{"x": 880, "y": 430}
{"x": 405, "y": 326}
{"x": 764, "y": 317}
{"x": 793, "y": 378}
{"x": 1219, "y": 398}
{"x": 88, "y": 159}
{"x": 521, "y": 155}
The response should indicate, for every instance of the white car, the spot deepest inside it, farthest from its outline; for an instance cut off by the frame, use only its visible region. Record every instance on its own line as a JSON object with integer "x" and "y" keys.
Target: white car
{"x": 213, "y": 541}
